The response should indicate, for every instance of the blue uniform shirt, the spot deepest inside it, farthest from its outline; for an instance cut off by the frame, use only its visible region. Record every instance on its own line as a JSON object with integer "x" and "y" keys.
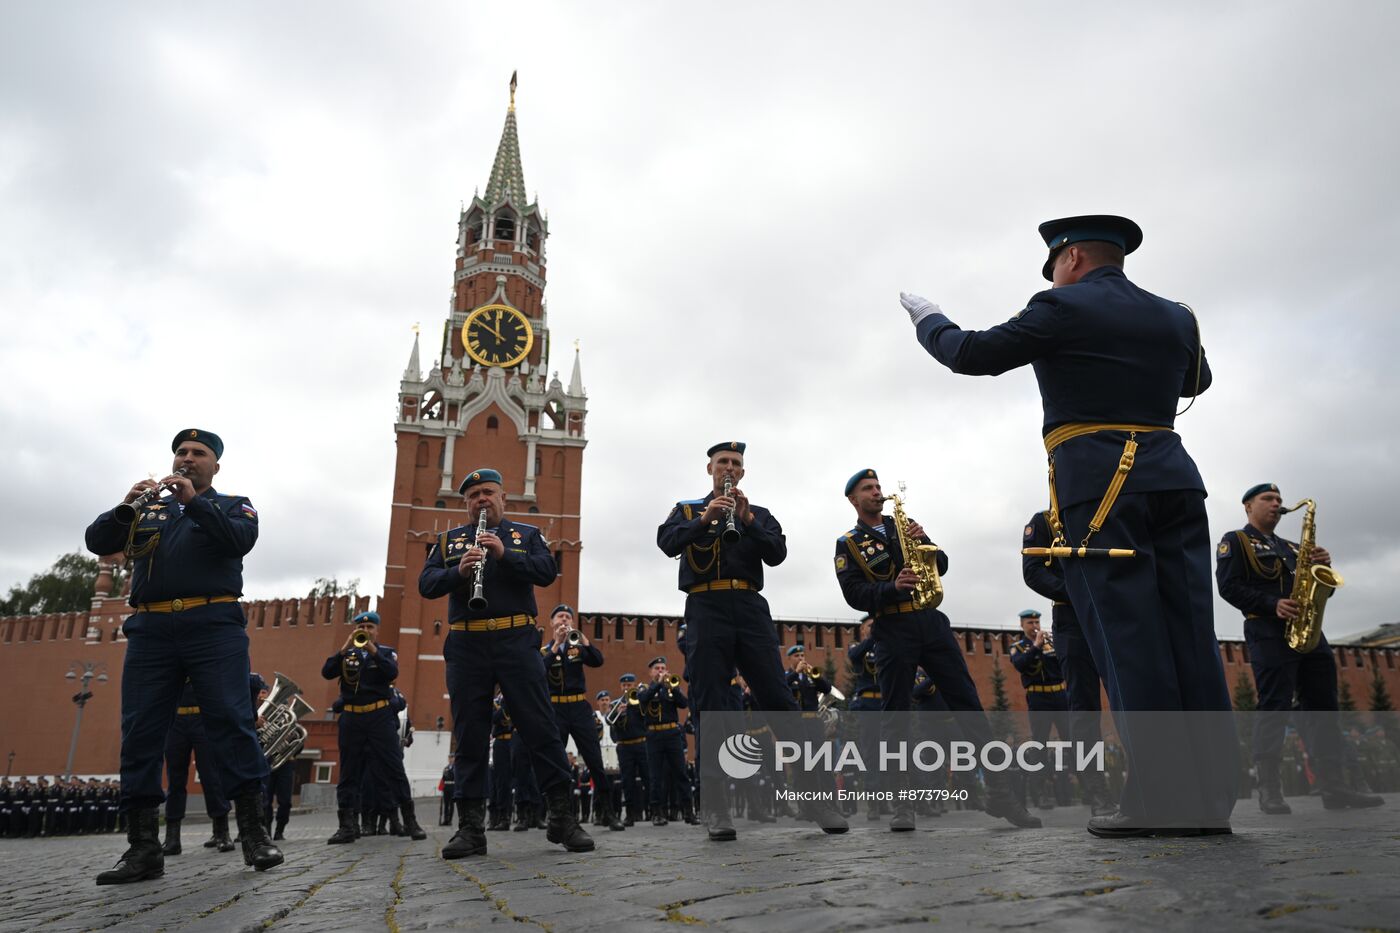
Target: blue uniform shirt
{"x": 1104, "y": 351}
{"x": 867, "y": 561}
{"x": 806, "y": 690}
{"x": 1037, "y": 666}
{"x": 564, "y": 668}
{"x": 200, "y": 552}
{"x": 862, "y": 658}
{"x": 374, "y": 679}
{"x": 1254, "y": 571}
{"x": 631, "y": 724}
{"x": 1045, "y": 581}
{"x": 509, "y": 583}
{"x": 704, "y": 557}
{"x": 660, "y": 703}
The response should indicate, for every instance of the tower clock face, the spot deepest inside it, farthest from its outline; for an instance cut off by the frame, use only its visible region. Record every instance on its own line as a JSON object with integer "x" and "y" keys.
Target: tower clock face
{"x": 497, "y": 335}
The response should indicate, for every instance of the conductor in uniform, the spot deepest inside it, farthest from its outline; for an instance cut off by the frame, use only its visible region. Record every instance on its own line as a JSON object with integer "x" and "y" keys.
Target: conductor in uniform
{"x": 187, "y": 575}
{"x": 728, "y": 624}
{"x": 497, "y": 644}
{"x": 1254, "y": 569}
{"x": 1112, "y": 361}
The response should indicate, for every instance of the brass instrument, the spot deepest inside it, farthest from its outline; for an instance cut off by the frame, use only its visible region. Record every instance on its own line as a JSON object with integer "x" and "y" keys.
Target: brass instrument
{"x": 827, "y": 708}
{"x": 280, "y": 735}
{"x": 126, "y": 512}
{"x": 634, "y": 696}
{"x": 673, "y": 681}
{"x": 478, "y": 601}
{"x": 920, "y": 558}
{"x": 617, "y": 709}
{"x": 360, "y": 639}
{"x": 1313, "y": 585}
{"x": 730, "y": 535}
{"x": 574, "y": 638}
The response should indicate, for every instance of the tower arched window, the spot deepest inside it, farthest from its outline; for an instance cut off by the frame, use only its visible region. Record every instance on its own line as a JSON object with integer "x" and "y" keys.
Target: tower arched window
{"x": 505, "y": 228}
{"x": 493, "y": 424}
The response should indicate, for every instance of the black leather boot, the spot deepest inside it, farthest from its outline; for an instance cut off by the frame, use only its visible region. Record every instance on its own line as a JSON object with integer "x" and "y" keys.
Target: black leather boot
{"x": 631, "y": 818}
{"x": 411, "y": 829}
{"x": 719, "y": 826}
{"x": 1271, "y": 787}
{"x": 213, "y": 839}
{"x": 1003, "y": 803}
{"x": 608, "y": 817}
{"x": 470, "y": 838}
{"x": 277, "y": 836}
{"x": 258, "y": 850}
{"x": 499, "y": 820}
{"x": 1096, "y": 793}
{"x": 524, "y": 817}
{"x": 395, "y": 827}
{"x": 1336, "y": 795}
{"x": 367, "y": 824}
{"x": 172, "y": 838}
{"x": 143, "y": 858}
{"x": 346, "y": 832}
{"x": 220, "y": 838}
{"x": 563, "y": 826}
{"x": 688, "y": 814}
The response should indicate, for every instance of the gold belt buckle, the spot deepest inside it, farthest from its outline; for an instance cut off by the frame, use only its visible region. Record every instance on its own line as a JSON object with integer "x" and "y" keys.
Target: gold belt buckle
{"x": 176, "y": 605}
{"x": 492, "y": 624}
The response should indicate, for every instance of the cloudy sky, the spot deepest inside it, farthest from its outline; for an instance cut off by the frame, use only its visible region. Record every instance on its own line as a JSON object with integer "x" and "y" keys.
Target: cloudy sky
{"x": 232, "y": 215}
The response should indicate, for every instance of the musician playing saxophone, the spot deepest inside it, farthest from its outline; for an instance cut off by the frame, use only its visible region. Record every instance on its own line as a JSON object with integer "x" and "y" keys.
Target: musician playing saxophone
{"x": 1254, "y": 570}
{"x": 187, "y": 575}
{"x": 499, "y": 643}
{"x": 871, "y": 570}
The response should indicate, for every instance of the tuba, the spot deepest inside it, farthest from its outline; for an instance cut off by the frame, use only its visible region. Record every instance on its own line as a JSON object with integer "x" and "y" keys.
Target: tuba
{"x": 1313, "y": 585}
{"x": 920, "y": 558}
{"x": 280, "y": 735}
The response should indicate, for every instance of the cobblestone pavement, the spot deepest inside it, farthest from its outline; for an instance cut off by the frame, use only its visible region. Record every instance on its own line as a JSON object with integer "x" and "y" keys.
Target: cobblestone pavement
{"x": 1309, "y": 871}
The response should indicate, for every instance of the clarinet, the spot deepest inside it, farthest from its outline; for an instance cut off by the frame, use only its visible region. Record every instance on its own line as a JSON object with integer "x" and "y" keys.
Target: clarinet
{"x": 478, "y": 600}
{"x": 731, "y": 532}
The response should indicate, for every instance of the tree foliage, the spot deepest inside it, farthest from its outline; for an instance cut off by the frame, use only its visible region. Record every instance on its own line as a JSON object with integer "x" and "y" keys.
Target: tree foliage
{"x": 1380, "y": 696}
{"x": 330, "y": 586}
{"x": 67, "y": 586}
{"x": 1245, "y": 700}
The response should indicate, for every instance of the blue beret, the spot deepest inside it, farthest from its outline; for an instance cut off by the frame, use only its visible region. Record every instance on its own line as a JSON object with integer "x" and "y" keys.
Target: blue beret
{"x": 1107, "y": 228}
{"x": 562, "y": 607}
{"x": 796, "y": 648}
{"x": 476, "y": 478}
{"x": 854, "y": 481}
{"x": 627, "y": 679}
{"x": 736, "y": 446}
{"x": 207, "y": 438}
{"x": 256, "y": 680}
{"x": 602, "y": 694}
{"x": 1256, "y": 490}
{"x": 370, "y": 616}
{"x": 1028, "y": 614}
{"x": 659, "y": 659}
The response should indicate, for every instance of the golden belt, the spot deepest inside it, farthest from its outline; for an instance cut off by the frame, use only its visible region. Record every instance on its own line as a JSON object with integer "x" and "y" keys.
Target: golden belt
{"x": 896, "y": 609}
{"x": 1068, "y": 432}
{"x": 504, "y": 735}
{"x": 1045, "y": 688}
{"x": 492, "y": 625}
{"x": 367, "y": 708}
{"x": 186, "y": 710}
{"x": 568, "y": 698}
{"x": 664, "y": 726}
{"x": 635, "y": 741}
{"x": 870, "y": 695}
{"x": 180, "y": 605}
{"x": 721, "y": 585}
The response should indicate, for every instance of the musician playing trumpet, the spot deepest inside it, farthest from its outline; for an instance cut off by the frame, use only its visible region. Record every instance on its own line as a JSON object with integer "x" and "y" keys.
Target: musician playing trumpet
{"x": 805, "y": 681}
{"x": 875, "y": 578}
{"x": 660, "y": 701}
{"x": 497, "y": 643}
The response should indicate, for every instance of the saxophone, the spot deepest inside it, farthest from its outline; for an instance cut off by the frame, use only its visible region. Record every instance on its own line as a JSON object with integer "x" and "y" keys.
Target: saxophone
{"x": 1313, "y": 585}
{"x": 920, "y": 558}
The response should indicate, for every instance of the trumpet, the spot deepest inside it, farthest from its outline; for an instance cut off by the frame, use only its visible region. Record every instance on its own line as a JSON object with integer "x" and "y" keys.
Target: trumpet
{"x": 574, "y": 638}
{"x": 731, "y": 531}
{"x": 633, "y": 697}
{"x": 478, "y": 600}
{"x": 360, "y": 639}
{"x": 126, "y": 512}
{"x": 673, "y": 681}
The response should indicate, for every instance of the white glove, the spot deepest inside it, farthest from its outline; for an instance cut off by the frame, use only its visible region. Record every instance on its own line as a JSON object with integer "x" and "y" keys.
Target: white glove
{"x": 918, "y": 308}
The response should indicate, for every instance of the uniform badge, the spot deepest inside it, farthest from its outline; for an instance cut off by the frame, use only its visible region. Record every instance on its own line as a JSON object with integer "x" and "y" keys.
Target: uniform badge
{"x": 1224, "y": 549}
{"x": 879, "y": 546}
{"x": 870, "y": 552}
{"x": 840, "y": 561}
{"x": 1029, "y": 531}
{"x": 164, "y": 516}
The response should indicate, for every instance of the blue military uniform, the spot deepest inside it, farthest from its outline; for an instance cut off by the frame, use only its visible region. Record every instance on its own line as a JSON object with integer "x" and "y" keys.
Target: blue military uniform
{"x": 502, "y": 780}
{"x": 629, "y": 732}
{"x": 665, "y": 744}
{"x": 1254, "y": 571}
{"x": 568, "y": 693}
{"x": 1111, "y": 361}
{"x": 866, "y": 698}
{"x": 807, "y": 689}
{"x": 368, "y": 730}
{"x": 186, "y": 737}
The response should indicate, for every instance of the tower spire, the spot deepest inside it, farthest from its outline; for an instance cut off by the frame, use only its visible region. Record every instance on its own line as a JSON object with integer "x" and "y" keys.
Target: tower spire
{"x": 507, "y": 177}
{"x": 576, "y": 378}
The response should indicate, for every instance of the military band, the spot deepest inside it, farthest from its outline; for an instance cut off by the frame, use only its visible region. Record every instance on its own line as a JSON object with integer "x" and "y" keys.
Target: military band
{"x": 1033, "y": 655}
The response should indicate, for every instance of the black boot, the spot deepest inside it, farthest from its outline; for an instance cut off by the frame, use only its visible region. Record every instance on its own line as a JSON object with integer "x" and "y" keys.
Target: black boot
{"x": 719, "y": 827}
{"x": 258, "y": 850}
{"x": 688, "y": 814}
{"x": 499, "y": 820}
{"x": 172, "y": 838}
{"x": 524, "y": 817}
{"x": 366, "y": 824}
{"x": 1336, "y": 795}
{"x": 631, "y": 818}
{"x": 277, "y": 836}
{"x": 220, "y": 838}
{"x": 213, "y": 839}
{"x": 903, "y": 819}
{"x": 1001, "y": 802}
{"x": 658, "y": 817}
{"x": 1096, "y": 794}
{"x": 143, "y": 859}
{"x": 609, "y": 817}
{"x": 395, "y": 827}
{"x": 563, "y": 826}
{"x": 346, "y": 832}
{"x": 411, "y": 829}
{"x": 1271, "y": 787}
{"x": 825, "y": 816}
{"x": 381, "y": 825}
{"x": 470, "y": 838}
